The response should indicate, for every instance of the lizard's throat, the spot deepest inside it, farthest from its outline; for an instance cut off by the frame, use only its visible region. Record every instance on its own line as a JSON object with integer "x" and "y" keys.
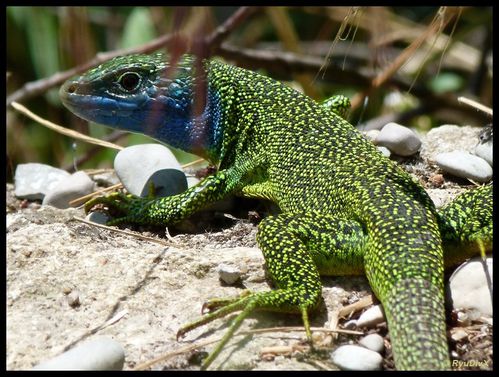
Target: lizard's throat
{"x": 200, "y": 135}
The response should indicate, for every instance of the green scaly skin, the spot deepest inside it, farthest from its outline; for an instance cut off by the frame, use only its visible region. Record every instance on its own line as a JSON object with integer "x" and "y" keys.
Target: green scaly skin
{"x": 345, "y": 209}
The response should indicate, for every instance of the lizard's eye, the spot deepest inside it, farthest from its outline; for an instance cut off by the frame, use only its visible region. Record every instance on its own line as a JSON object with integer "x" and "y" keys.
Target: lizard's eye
{"x": 129, "y": 81}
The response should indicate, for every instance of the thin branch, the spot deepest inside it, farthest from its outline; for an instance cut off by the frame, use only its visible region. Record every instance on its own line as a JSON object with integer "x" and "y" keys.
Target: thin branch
{"x": 215, "y": 39}
{"x": 476, "y": 105}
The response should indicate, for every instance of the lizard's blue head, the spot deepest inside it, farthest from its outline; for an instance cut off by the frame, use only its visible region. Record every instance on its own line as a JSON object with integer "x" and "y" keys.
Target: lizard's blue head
{"x": 149, "y": 95}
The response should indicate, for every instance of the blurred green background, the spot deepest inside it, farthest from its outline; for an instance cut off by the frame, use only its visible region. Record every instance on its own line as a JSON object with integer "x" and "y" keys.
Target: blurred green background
{"x": 359, "y": 42}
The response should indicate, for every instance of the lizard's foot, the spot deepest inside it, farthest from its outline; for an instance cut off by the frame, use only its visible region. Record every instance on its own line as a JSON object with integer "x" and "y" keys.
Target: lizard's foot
{"x": 215, "y": 308}
{"x": 132, "y": 208}
{"x": 286, "y": 300}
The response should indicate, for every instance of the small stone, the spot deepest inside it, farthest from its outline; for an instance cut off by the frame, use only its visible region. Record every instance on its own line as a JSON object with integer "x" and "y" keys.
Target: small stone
{"x": 399, "y": 139}
{"x": 351, "y": 357}
{"x": 228, "y": 274}
{"x": 66, "y": 290}
{"x": 139, "y": 165}
{"x": 73, "y": 299}
{"x": 374, "y": 342}
{"x": 97, "y": 354}
{"x": 33, "y": 181}
{"x": 75, "y": 186}
{"x": 436, "y": 180}
{"x": 469, "y": 288}
{"x": 465, "y": 165}
{"x": 371, "y": 317}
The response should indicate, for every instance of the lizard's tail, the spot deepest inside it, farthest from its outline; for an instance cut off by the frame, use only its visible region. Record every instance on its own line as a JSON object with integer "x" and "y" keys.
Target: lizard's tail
{"x": 415, "y": 314}
{"x": 406, "y": 273}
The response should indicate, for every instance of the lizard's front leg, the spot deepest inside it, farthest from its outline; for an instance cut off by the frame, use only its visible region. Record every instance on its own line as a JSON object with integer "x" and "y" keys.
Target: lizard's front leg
{"x": 171, "y": 209}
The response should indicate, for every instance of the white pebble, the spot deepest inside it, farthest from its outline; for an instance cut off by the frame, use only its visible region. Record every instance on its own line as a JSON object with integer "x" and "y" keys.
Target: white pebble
{"x": 465, "y": 165}
{"x": 468, "y": 286}
{"x": 374, "y": 342}
{"x": 97, "y": 354}
{"x": 371, "y": 317}
{"x": 399, "y": 139}
{"x": 351, "y": 357}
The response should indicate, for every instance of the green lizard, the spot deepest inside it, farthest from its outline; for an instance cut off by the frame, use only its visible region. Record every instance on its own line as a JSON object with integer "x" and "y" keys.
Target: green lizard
{"x": 345, "y": 209}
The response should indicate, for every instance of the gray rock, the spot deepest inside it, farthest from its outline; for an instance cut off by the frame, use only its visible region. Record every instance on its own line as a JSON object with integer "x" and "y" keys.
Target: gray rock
{"x": 374, "y": 342}
{"x": 69, "y": 188}
{"x": 228, "y": 274}
{"x": 469, "y": 288}
{"x": 33, "y": 181}
{"x": 465, "y": 165}
{"x": 98, "y": 354}
{"x": 399, "y": 139}
{"x": 351, "y": 357}
{"x": 138, "y": 165}
{"x": 371, "y": 317}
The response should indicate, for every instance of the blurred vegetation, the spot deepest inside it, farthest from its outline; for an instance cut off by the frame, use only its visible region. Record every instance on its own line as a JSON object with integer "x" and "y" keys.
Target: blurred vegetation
{"x": 320, "y": 50}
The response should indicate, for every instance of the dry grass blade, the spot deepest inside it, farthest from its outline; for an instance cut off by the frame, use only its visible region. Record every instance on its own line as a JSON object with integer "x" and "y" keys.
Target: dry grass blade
{"x": 129, "y": 233}
{"x": 62, "y": 130}
{"x": 435, "y": 27}
{"x": 476, "y": 105}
